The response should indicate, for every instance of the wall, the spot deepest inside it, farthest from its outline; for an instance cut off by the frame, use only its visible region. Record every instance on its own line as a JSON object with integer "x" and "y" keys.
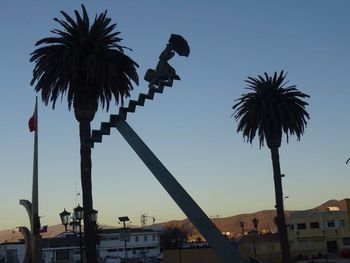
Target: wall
{"x": 190, "y": 255}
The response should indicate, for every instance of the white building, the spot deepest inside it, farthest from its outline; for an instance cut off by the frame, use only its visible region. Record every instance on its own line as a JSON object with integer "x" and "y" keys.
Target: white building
{"x": 12, "y": 252}
{"x": 139, "y": 244}
{"x": 142, "y": 245}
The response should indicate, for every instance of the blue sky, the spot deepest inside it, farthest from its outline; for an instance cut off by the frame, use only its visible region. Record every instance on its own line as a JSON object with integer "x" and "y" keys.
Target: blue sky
{"x": 189, "y": 127}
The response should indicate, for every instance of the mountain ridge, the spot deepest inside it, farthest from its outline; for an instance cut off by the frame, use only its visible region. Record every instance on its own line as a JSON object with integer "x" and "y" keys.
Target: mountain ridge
{"x": 225, "y": 224}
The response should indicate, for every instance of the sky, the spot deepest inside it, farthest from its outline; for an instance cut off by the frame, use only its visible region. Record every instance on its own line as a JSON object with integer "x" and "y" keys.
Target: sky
{"x": 189, "y": 127}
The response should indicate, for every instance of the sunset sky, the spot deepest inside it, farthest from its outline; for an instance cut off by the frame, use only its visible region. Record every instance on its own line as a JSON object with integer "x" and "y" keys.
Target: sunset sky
{"x": 189, "y": 127}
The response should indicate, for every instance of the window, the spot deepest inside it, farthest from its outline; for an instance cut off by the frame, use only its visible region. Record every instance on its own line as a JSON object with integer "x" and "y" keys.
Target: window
{"x": 62, "y": 254}
{"x": 314, "y": 225}
{"x": 112, "y": 250}
{"x": 136, "y": 238}
{"x": 331, "y": 223}
{"x": 154, "y": 238}
{"x": 301, "y": 226}
{"x": 346, "y": 241}
{"x": 341, "y": 223}
{"x": 145, "y": 238}
{"x": 290, "y": 227}
{"x": 111, "y": 238}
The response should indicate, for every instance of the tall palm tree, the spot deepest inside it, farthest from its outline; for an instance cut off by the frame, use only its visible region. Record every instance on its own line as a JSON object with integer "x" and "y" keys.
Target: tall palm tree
{"x": 87, "y": 63}
{"x": 241, "y": 224}
{"x": 255, "y": 222}
{"x": 269, "y": 109}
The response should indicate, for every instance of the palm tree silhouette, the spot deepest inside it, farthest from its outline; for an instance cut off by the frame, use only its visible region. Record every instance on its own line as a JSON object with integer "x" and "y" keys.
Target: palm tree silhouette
{"x": 255, "y": 222}
{"x": 87, "y": 63}
{"x": 241, "y": 224}
{"x": 269, "y": 109}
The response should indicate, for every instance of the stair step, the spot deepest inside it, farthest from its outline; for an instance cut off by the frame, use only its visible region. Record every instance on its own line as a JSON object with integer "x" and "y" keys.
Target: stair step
{"x": 149, "y": 95}
{"x": 105, "y": 128}
{"x": 141, "y": 101}
{"x": 131, "y": 107}
{"x": 96, "y": 136}
{"x": 113, "y": 118}
{"x": 123, "y": 112}
{"x": 160, "y": 89}
{"x": 134, "y": 102}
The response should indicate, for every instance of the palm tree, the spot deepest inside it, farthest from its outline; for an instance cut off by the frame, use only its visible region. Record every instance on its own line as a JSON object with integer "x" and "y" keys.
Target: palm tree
{"x": 255, "y": 222}
{"x": 271, "y": 108}
{"x": 241, "y": 224}
{"x": 87, "y": 63}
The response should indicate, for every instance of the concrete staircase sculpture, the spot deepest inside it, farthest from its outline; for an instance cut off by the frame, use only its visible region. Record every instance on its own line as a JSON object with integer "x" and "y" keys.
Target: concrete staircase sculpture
{"x": 224, "y": 250}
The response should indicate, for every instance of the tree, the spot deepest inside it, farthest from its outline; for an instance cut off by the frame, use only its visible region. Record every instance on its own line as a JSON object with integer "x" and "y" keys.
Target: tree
{"x": 269, "y": 109}
{"x": 87, "y": 63}
{"x": 173, "y": 236}
{"x": 255, "y": 222}
{"x": 241, "y": 224}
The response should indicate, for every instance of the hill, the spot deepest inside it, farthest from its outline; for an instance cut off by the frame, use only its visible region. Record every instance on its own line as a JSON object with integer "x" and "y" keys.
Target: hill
{"x": 226, "y": 224}
{"x": 266, "y": 218}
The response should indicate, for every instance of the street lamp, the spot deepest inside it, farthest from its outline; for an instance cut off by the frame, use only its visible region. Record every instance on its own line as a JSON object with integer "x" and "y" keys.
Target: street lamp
{"x": 65, "y": 218}
{"x": 93, "y": 216}
{"x": 125, "y": 219}
{"x": 79, "y": 214}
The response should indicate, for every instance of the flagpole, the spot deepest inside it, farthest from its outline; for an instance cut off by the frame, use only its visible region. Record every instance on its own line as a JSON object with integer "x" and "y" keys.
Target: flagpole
{"x": 36, "y": 255}
{"x": 35, "y": 186}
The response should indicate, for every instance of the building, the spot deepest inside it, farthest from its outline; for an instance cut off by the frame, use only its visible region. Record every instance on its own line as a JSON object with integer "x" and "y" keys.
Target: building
{"x": 313, "y": 233}
{"x": 265, "y": 247}
{"x": 12, "y": 252}
{"x": 139, "y": 244}
{"x": 135, "y": 244}
{"x": 63, "y": 248}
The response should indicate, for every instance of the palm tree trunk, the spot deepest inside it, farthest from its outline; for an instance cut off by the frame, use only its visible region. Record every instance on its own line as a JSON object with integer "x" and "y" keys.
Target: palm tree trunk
{"x": 281, "y": 222}
{"x": 85, "y": 166}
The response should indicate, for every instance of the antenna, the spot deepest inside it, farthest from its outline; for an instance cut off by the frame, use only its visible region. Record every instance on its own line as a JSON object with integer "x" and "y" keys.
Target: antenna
{"x": 76, "y": 194}
{"x": 144, "y": 219}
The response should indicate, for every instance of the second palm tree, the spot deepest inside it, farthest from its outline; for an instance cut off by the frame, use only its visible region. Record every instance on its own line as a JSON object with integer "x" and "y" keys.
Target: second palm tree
{"x": 271, "y": 109}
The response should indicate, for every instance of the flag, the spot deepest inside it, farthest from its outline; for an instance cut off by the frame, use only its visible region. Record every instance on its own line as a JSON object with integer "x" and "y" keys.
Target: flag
{"x": 32, "y": 123}
{"x": 43, "y": 229}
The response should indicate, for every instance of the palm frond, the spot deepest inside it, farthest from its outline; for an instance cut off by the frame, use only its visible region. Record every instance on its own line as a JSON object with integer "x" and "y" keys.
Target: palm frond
{"x": 271, "y": 108}
{"x": 84, "y": 62}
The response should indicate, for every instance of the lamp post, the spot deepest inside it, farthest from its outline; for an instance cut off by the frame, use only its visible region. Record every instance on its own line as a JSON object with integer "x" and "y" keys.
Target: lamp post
{"x": 79, "y": 214}
{"x": 125, "y": 219}
{"x": 65, "y": 218}
{"x": 93, "y": 216}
